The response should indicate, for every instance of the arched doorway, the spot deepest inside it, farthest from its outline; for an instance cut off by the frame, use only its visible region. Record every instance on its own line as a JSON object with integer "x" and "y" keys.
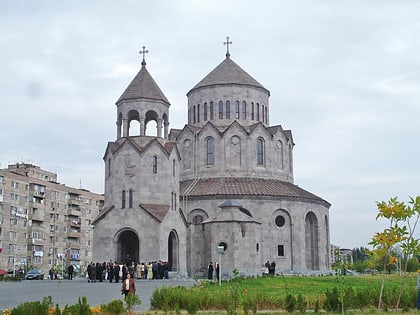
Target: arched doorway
{"x": 128, "y": 243}
{"x": 173, "y": 251}
{"x": 312, "y": 241}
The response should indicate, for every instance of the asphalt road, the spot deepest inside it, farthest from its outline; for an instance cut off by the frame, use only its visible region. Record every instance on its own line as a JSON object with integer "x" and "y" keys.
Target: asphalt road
{"x": 67, "y": 292}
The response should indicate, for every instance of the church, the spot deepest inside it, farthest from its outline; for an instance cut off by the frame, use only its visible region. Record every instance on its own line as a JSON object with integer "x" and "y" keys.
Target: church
{"x": 219, "y": 189}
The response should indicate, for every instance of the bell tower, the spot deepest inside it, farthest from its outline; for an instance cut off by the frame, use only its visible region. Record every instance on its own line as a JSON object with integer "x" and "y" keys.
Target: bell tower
{"x": 144, "y": 102}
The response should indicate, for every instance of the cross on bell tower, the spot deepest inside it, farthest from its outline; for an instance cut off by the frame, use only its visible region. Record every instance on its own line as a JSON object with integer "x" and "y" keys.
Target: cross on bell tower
{"x": 227, "y": 43}
{"x": 143, "y": 52}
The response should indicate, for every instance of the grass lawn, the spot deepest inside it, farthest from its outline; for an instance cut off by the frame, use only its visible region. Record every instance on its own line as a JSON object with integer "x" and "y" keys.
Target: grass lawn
{"x": 274, "y": 293}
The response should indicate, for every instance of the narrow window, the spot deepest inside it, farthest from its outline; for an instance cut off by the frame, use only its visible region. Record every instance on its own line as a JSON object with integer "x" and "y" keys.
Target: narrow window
{"x": 155, "y": 164}
{"x": 109, "y": 167}
{"x": 198, "y": 113}
{"x": 258, "y": 112}
{"x": 205, "y": 111}
{"x": 260, "y": 152}
{"x": 280, "y": 250}
{"x": 173, "y": 167}
{"x": 266, "y": 115}
{"x": 227, "y": 109}
{"x": 123, "y": 199}
{"x": 197, "y": 219}
{"x": 220, "y": 110}
{"x": 262, "y": 113}
{"x": 130, "y": 198}
{"x": 194, "y": 114}
{"x": 211, "y": 111}
{"x": 237, "y": 109}
{"x": 252, "y": 111}
{"x": 210, "y": 151}
{"x": 243, "y": 110}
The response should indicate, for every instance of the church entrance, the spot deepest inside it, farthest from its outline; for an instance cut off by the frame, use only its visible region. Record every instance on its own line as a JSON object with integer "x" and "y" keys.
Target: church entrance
{"x": 173, "y": 251}
{"x": 128, "y": 244}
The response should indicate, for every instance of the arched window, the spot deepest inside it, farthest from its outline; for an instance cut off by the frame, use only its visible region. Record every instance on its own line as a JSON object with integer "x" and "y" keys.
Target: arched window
{"x": 210, "y": 151}
{"x": 243, "y": 110}
{"x": 194, "y": 114}
{"x": 262, "y": 113}
{"x": 227, "y": 109}
{"x": 266, "y": 115}
{"x": 258, "y": 112}
{"x": 109, "y": 167}
{"x": 198, "y": 113}
{"x": 123, "y": 199}
{"x": 211, "y": 111}
{"x": 237, "y": 109}
{"x": 197, "y": 219}
{"x": 205, "y": 111}
{"x": 173, "y": 167}
{"x": 130, "y": 198}
{"x": 155, "y": 164}
{"x": 220, "y": 109}
{"x": 260, "y": 151}
{"x": 252, "y": 111}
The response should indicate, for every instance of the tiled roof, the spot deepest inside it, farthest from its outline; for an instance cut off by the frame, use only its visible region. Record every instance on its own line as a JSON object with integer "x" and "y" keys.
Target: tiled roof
{"x": 228, "y": 72}
{"x": 143, "y": 86}
{"x": 157, "y": 211}
{"x": 245, "y": 186}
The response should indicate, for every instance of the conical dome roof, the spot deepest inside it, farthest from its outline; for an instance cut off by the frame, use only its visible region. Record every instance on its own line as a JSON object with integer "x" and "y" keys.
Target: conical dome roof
{"x": 143, "y": 87}
{"x": 228, "y": 72}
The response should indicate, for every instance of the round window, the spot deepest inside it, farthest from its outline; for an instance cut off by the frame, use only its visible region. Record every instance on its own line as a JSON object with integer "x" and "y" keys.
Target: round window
{"x": 224, "y": 245}
{"x": 280, "y": 221}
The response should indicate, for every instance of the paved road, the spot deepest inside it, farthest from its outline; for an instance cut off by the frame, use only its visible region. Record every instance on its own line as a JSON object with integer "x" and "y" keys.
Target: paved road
{"x": 66, "y": 292}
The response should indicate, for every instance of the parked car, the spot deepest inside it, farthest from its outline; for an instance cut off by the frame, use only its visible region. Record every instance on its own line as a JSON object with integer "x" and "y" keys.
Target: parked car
{"x": 34, "y": 274}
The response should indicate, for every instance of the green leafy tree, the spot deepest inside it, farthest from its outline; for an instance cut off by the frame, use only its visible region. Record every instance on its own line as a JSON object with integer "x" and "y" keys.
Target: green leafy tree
{"x": 403, "y": 221}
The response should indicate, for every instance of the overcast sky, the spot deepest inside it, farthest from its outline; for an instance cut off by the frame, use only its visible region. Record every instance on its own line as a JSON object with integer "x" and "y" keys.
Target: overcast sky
{"x": 344, "y": 76}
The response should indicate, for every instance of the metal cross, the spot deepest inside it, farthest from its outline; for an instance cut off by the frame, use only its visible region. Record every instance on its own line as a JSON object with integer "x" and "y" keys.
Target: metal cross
{"x": 227, "y": 43}
{"x": 143, "y": 52}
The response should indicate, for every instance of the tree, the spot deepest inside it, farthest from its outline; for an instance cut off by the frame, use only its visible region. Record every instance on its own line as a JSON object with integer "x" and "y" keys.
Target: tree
{"x": 403, "y": 221}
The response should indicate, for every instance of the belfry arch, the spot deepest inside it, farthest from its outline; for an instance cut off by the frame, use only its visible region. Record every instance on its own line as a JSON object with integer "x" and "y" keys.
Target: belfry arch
{"x": 127, "y": 243}
{"x": 173, "y": 251}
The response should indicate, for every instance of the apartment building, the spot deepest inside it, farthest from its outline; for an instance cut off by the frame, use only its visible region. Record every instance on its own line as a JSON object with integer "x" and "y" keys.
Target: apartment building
{"x": 44, "y": 223}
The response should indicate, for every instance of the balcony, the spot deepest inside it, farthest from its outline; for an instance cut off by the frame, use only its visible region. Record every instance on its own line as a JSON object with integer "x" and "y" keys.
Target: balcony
{"x": 38, "y": 194}
{"x": 74, "y": 212}
{"x": 73, "y": 245}
{"x": 73, "y": 234}
{"x": 38, "y": 215}
{"x": 74, "y": 201}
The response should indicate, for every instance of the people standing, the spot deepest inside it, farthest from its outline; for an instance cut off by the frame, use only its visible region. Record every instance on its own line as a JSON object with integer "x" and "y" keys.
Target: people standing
{"x": 70, "y": 270}
{"x": 128, "y": 286}
{"x": 210, "y": 270}
{"x": 217, "y": 271}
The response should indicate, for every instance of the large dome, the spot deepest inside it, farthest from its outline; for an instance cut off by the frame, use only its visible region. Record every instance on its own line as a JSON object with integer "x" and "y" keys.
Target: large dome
{"x": 228, "y": 73}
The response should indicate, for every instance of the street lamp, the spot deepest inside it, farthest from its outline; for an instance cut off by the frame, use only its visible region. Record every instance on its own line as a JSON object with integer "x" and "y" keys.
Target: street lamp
{"x": 220, "y": 251}
{"x": 62, "y": 262}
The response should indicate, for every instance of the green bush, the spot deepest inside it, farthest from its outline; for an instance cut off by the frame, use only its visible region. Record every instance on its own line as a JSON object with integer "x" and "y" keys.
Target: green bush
{"x": 80, "y": 308}
{"x": 290, "y": 303}
{"x": 33, "y": 308}
{"x": 115, "y": 307}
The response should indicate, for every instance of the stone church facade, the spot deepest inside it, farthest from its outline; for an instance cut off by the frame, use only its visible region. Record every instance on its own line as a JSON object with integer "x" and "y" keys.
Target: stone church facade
{"x": 225, "y": 180}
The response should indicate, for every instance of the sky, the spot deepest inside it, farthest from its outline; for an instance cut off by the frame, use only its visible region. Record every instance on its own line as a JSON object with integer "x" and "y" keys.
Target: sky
{"x": 344, "y": 76}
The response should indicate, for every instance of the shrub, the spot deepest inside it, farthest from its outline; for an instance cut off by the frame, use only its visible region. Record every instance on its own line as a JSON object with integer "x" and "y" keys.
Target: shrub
{"x": 80, "y": 308}
{"x": 290, "y": 303}
{"x": 33, "y": 308}
{"x": 131, "y": 300}
{"x": 115, "y": 307}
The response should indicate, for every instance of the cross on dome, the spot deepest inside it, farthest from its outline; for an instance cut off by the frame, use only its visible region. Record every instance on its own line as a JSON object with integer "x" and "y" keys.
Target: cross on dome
{"x": 227, "y": 43}
{"x": 143, "y": 52}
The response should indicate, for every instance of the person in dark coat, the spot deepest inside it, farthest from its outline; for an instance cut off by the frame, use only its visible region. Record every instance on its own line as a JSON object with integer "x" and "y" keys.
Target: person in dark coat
{"x": 70, "y": 270}
{"x": 210, "y": 270}
{"x": 116, "y": 272}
